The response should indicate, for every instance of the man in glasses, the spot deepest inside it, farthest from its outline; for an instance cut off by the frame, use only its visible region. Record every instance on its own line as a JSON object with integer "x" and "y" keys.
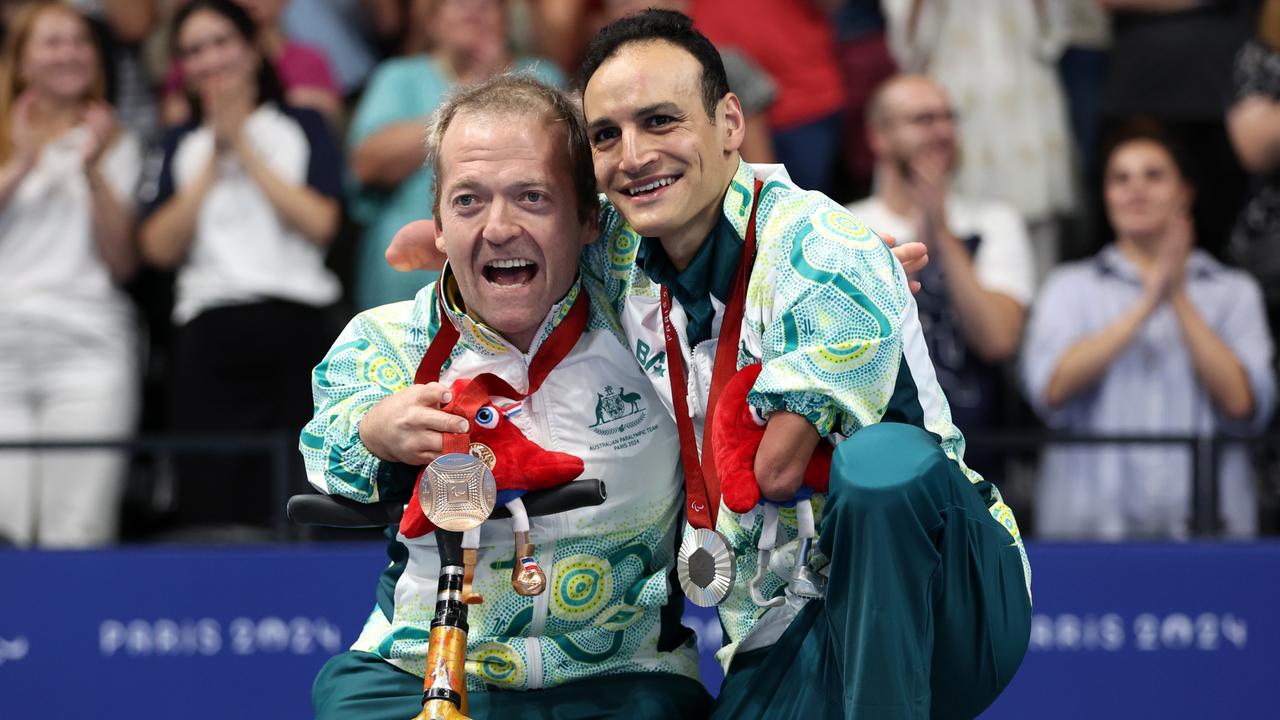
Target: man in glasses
{"x": 976, "y": 292}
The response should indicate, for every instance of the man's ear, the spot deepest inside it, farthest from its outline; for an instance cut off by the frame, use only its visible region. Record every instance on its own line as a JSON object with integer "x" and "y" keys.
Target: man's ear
{"x": 439, "y": 235}
{"x": 1188, "y": 196}
{"x": 732, "y": 122}
{"x": 590, "y": 229}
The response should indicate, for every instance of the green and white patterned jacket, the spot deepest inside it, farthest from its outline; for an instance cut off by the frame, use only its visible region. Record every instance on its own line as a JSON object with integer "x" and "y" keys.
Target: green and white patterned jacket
{"x": 829, "y": 313}
{"x": 606, "y": 607}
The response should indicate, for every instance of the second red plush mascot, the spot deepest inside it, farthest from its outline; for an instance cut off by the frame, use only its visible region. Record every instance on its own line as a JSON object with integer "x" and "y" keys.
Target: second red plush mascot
{"x": 737, "y": 431}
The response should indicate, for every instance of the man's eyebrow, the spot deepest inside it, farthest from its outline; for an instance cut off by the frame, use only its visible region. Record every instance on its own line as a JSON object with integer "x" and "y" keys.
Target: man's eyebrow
{"x": 472, "y": 183}
{"x": 665, "y": 108}
{"x": 598, "y": 124}
{"x": 462, "y": 183}
{"x": 527, "y": 182}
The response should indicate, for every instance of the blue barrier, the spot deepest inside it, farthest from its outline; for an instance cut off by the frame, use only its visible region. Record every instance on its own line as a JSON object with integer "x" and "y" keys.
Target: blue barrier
{"x": 1156, "y": 631}
{"x": 1170, "y": 631}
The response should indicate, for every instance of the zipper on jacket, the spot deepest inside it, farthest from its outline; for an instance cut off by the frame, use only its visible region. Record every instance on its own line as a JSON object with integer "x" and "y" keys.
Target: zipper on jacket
{"x": 541, "y": 604}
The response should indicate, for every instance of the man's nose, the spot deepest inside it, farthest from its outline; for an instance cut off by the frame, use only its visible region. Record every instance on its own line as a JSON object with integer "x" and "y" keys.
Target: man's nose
{"x": 636, "y": 153}
{"x": 499, "y": 224}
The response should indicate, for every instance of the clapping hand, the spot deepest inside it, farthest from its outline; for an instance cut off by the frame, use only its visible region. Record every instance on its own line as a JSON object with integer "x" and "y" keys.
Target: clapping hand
{"x": 226, "y": 107}
{"x": 101, "y": 122}
{"x": 26, "y": 140}
{"x": 1166, "y": 274}
{"x": 926, "y": 184}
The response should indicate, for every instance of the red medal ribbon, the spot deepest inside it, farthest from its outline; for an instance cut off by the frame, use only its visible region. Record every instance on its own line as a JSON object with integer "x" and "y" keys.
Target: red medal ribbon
{"x": 556, "y": 347}
{"x": 701, "y": 484}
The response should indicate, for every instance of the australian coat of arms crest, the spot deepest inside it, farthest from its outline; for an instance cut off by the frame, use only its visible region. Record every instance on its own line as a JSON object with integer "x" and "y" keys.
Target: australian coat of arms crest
{"x": 615, "y": 405}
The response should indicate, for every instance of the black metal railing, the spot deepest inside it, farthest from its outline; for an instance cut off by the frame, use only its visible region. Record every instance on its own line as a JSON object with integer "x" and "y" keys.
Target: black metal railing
{"x": 281, "y": 449}
{"x": 1206, "y": 451}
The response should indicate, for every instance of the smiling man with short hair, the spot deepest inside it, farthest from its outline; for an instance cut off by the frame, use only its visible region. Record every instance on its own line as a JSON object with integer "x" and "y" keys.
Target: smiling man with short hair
{"x": 604, "y": 638}
{"x": 927, "y": 608}
{"x": 927, "y": 604}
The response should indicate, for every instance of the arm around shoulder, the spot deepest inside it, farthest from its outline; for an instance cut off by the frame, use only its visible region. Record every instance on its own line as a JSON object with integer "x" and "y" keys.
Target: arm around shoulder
{"x": 831, "y": 308}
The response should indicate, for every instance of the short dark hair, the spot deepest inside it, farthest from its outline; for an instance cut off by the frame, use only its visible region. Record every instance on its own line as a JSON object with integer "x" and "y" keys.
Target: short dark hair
{"x": 270, "y": 88}
{"x": 1148, "y": 129}
{"x": 659, "y": 26}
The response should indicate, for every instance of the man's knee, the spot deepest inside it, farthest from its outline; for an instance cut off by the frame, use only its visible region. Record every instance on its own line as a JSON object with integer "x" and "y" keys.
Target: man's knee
{"x": 887, "y": 467}
{"x": 359, "y": 685}
{"x": 323, "y": 690}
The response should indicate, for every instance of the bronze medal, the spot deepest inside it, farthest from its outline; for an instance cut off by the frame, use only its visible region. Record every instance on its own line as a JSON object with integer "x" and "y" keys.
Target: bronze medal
{"x": 459, "y": 492}
{"x": 484, "y": 454}
{"x": 527, "y": 577}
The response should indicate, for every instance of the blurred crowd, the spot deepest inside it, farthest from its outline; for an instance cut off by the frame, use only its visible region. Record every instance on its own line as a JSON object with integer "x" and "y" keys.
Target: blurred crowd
{"x": 196, "y": 194}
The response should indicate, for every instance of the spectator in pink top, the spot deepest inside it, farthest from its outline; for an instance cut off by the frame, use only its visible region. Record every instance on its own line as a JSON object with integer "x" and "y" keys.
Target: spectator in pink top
{"x": 303, "y": 70}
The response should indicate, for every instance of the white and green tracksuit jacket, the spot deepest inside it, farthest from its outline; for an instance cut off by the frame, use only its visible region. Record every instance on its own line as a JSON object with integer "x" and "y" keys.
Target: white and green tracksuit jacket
{"x": 606, "y": 607}
{"x": 829, "y": 314}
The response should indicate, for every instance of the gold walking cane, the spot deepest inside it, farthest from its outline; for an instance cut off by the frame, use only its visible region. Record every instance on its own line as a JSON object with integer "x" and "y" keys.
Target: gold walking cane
{"x": 458, "y": 495}
{"x": 444, "y": 695}
{"x": 445, "y": 685}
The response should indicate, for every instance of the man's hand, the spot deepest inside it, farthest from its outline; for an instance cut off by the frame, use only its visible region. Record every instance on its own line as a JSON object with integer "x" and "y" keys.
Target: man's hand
{"x": 927, "y": 188}
{"x": 407, "y": 427}
{"x": 913, "y": 256}
{"x": 414, "y": 248}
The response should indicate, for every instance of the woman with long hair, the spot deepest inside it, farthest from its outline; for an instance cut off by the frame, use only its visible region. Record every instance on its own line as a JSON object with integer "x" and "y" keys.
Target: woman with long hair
{"x": 304, "y": 72}
{"x": 245, "y": 205}
{"x": 68, "y": 356}
{"x": 1151, "y": 335}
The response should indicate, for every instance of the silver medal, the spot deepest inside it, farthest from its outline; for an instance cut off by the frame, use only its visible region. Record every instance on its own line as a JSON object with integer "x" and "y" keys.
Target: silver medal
{"x": 458, "y": 492}
{"x": 705, "y": 567}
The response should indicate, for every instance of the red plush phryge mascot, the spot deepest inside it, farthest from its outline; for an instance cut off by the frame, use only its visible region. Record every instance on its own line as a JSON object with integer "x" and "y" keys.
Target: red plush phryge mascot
{"x": 518, "y": 465}
{"x": 736, "y": 433}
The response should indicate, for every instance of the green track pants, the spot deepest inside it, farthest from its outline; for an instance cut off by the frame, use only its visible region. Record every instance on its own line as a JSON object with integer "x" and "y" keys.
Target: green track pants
{"x": 926, "y": 613}
{"x": 361, "y": 686}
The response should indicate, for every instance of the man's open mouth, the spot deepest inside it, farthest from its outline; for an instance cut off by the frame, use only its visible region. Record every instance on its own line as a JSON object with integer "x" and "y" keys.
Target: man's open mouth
{"x": 512, "y": 272}
{"x": 651, "y": 187}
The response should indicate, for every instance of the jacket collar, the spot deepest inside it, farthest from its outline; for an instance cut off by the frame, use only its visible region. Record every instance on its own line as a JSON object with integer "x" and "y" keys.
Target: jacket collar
{"x": 476, "y": 336}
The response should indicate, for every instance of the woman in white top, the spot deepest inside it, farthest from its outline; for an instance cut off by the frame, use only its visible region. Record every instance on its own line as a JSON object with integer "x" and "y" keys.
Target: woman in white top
{"x": 244, "y": 207}
{"x": 68, "y": 360}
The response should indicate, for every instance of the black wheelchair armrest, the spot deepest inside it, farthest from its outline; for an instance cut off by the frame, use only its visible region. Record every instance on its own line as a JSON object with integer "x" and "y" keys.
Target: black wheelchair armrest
{"x": 340, "y": 512}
